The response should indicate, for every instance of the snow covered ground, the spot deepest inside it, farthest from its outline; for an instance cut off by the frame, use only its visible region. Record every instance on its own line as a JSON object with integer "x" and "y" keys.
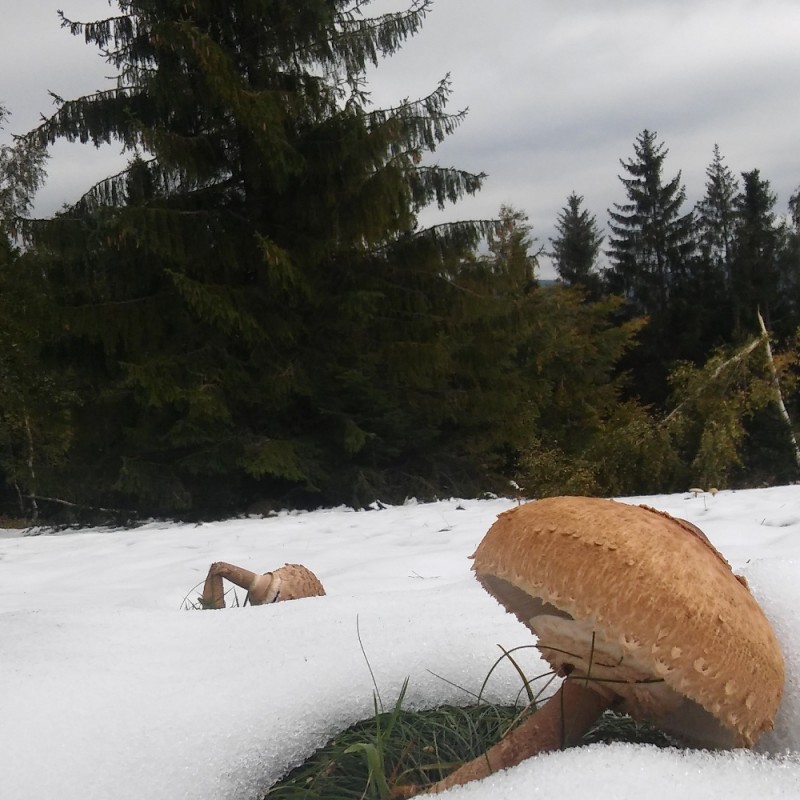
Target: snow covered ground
{"x": 108, "y": 689}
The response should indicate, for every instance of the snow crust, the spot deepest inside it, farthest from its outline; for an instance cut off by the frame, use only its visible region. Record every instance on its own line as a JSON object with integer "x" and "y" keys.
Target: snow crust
{"x": 109, "y": 689}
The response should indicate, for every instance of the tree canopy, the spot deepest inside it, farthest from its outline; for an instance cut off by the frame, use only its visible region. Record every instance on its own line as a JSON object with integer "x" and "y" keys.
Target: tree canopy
{"x": 651, "y": 239}
{"x": 251, "y": 316}
{"x": 576, "y": 249}
{"x": 251, "y": 296}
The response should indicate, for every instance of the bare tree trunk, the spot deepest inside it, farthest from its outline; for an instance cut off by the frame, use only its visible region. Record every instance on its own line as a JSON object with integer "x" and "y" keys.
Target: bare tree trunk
{"x": 31, "y": 470}
{"x": 778, "y": 394}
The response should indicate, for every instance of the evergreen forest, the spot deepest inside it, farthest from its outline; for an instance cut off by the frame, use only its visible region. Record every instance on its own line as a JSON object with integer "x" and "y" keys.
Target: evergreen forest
{"x": 250, "y": 315}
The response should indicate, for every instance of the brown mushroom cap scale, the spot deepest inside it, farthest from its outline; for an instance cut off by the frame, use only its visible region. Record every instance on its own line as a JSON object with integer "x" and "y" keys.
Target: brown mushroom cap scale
{"x": 290, "y": 582}
{"x": 641, "y": 606}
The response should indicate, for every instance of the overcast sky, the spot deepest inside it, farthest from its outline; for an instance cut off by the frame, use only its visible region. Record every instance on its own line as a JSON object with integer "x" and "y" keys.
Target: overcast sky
{"x": 557, "y": 92}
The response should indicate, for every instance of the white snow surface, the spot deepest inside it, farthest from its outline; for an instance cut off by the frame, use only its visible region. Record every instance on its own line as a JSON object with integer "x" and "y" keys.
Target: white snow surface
{"x": 108, "y": 689}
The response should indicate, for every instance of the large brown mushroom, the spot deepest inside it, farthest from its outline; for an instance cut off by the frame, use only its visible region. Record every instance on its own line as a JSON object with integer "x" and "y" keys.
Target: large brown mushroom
{"x": 637, "y": 611}
{"x": 290, "y": 582}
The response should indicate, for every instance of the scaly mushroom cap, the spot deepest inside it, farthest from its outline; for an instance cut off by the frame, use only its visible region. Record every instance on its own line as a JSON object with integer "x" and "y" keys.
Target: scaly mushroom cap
{"x": 642, "y": 605}
{"x": 290, "y": 582}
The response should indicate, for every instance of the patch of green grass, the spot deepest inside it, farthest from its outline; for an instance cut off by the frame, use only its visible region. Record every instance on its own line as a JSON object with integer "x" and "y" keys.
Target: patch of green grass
{"x": 369, "y": 760}
{"x": 393, "y": 748}
{"x": 376, "y": 758}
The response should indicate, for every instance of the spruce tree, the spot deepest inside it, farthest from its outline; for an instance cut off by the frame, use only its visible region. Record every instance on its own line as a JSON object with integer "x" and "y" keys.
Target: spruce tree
{"x": 754, "y": 267}
{"x": 577, "y": 246}
{"x": 651, "y": 240}
{"x": 651, "y": 256}
{"x": 250, "y": 305}
{"x": 716, "y": 215}
{"x": 706, "y": 298}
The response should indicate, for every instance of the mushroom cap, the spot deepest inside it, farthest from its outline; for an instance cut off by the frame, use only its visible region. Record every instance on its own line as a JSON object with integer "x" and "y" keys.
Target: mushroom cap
{"x": 290, "y": 582}
{"x": 642, "y": 606}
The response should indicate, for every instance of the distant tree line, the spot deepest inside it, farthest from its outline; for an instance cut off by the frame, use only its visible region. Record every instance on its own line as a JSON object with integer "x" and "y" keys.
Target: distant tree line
{"x": 249, "y": 316}
{"x": 699, "y": 276}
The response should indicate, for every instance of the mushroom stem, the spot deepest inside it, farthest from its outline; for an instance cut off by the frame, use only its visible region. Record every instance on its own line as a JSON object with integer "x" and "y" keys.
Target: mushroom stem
{"x": 213, "y": 594}
{"x": 561, "y": 722}
{"x": 239, "y": 575}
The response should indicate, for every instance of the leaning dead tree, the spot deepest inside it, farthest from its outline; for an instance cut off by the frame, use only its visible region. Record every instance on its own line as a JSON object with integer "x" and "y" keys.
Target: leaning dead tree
{"x": 777, "y": 386}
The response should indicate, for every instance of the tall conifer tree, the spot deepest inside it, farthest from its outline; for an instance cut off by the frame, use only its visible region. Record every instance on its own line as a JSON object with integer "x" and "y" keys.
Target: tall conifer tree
{"x": 716, "y": 216}
{"x": 577, "y": 246}
{"x": 251, "y": 306}
{"x": 754, "y": 279}
{"x": 651, "y": 240}
{"x": 651, "y": 256}
{"x": 707, "y": 299}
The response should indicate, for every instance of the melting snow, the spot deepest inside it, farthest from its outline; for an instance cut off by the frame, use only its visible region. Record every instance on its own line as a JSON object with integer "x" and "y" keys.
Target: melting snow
{"x": 108, "y": 689}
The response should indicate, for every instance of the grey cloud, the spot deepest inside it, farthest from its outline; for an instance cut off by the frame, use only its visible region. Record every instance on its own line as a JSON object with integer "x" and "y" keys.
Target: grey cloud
{"x": 557, "y": 91}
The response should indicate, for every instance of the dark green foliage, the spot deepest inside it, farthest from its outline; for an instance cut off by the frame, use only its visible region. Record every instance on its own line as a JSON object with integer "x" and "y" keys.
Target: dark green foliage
{"x": 416, "y": 747}
{"x": 570, "y": 359}
{"x": 651, "y": 242}
{"x": 720, "y": 428}
{"x": 627, "y": 453}
{"x": 708, "y": 424}
{"x": 716, "y": 217}
{"x": 724, "y": 420}
{"x": 786, "y": 315}
{"x": 709, "y": 298}
{"x": 249, "y": 311}
{"x": 651, "y": 251}
{"x": 249, "y": 305}
{"x": 249, "y": 316}
{"x": 34, "y": 419}
{"x": 754, "y": 267}
{"x": 577, "y": 247}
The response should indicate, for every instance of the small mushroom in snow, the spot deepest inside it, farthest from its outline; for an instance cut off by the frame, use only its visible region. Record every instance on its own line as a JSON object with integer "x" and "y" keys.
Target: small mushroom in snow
{"x": 290, "y": 582}
{"x": 637, "y": 611}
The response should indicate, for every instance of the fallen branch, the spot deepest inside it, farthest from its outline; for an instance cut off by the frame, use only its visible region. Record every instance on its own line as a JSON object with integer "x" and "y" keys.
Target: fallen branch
{"x": 69, "y": 504}
{"x": 740, "y": 356}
